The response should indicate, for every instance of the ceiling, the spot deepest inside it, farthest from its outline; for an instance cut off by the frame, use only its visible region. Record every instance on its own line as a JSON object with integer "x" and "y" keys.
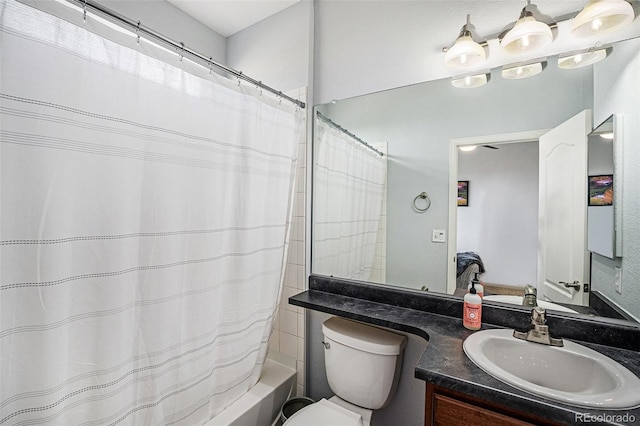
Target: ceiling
{"x": 226, "y": 17}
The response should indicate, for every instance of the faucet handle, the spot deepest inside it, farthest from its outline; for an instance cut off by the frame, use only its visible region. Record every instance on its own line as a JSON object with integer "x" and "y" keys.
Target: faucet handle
{"x": 538, "y": 316}
{"x": 529, "y": 289}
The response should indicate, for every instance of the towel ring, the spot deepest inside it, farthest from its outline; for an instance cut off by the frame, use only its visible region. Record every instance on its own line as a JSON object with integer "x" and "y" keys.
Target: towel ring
{"x": 421, "y": 196}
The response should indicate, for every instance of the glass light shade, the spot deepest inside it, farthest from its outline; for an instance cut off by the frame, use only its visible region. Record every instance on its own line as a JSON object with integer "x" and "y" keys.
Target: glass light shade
{"x": 527, "y": 34}
{"x": 469, "y": 81}
{"x": 601, "y": 16}
{"x": 464, "y": 53}
{"x": 467, "y": 148}
{"x": 516, "y": 72}
{"x": 581, "y": 59}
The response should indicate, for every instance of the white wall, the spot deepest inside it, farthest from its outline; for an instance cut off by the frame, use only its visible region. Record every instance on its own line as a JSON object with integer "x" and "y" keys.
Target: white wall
{"x": 168, "y": 20}
{"x": 276, "y": 50}
{"x": 501, "y": 222}
{"x": 617, "y": 91}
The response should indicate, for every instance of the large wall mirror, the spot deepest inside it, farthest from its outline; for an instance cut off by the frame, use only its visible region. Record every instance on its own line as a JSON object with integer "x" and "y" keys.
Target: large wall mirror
{"x": 409, "y": 199}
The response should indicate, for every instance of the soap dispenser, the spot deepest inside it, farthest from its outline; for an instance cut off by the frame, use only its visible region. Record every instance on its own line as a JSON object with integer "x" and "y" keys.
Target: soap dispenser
{"x": 479, "y": 287}
{"x": 472, "y": 310}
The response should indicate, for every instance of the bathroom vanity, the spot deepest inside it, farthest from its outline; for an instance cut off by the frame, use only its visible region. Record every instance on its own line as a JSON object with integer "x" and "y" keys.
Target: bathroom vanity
{"x": 455, "y": 386}
{"x": 446, "y": 407}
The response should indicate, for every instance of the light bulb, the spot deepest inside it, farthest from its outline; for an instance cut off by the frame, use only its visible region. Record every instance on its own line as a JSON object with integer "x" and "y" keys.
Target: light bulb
{"x": 469, "y": 81}
{"x": 524, "y": 42}
{"x": 582, "y": 58}
{"x": 602, "y": 16}
{"x": 523, "y": 69}
{"x": 596, "y": 24}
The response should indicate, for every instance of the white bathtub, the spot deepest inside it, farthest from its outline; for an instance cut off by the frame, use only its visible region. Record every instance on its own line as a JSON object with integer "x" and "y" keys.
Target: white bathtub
{"x": 261, "y": 404}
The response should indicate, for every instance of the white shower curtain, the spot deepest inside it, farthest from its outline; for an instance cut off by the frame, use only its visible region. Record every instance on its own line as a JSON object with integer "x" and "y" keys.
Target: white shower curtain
{"x": 143, "y": 229}
{"x": 349, "y": 183}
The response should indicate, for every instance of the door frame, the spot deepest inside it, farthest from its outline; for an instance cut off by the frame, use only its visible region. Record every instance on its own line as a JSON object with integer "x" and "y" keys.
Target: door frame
{"x": 454, "y": 144}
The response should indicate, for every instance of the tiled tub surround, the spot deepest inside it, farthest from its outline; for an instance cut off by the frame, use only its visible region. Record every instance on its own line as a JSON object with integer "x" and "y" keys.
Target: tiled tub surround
{"x": 437, "y": 319}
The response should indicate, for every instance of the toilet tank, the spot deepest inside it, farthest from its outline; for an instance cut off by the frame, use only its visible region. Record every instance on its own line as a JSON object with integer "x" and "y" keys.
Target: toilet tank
{"x": 362, "y": 362}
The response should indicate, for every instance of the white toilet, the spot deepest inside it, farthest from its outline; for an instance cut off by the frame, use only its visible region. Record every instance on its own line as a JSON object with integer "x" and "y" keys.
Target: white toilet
{"x": 363, "y": 366}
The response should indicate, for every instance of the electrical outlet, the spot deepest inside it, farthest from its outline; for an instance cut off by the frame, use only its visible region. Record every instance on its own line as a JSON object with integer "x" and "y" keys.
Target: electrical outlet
{"x": 439, "y": 236}
{"x": 618, "y": 283}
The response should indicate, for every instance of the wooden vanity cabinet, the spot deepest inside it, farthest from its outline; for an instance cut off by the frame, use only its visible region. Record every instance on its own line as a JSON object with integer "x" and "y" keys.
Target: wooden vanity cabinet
{"x": 445, "y": 408}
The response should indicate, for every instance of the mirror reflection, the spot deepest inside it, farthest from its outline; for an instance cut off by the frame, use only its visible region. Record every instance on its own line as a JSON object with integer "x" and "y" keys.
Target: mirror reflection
{"x": 368, "y": 217}
{"x": 602, "y": 237}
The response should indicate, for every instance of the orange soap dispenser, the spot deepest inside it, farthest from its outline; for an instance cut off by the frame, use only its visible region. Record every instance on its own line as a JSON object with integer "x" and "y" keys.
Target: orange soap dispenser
{"x": 472, "y": 310}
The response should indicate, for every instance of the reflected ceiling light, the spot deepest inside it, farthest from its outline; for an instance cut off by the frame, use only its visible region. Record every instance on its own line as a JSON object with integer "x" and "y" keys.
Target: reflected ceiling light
{"x": 469, "y": 81}
{"x": 527, "y": 34}
{"x": 465, "y": 52}
{"x": 523, "y": 69}
{"x": 581, "y": 58}
{"x": 466, "y": 148}
{"x": 607, "y": 136}
{"x": 601, "y": 16}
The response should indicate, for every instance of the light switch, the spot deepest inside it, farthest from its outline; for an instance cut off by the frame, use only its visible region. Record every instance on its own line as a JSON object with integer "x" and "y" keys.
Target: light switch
{"x": 439, "y": 236}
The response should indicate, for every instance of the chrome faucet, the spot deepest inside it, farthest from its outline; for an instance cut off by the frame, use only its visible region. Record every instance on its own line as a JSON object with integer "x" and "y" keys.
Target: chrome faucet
{"x": 538, "y": 331}
{"x": 530, "y": 296}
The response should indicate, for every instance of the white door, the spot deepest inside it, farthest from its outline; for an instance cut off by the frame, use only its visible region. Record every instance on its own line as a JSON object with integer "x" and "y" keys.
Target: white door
{"x": 563, "y": 255}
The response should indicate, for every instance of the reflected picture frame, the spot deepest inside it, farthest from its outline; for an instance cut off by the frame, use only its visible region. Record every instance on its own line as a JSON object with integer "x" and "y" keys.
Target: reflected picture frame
{"x": 463, "y": 193}
{"x": 600, "y": 190}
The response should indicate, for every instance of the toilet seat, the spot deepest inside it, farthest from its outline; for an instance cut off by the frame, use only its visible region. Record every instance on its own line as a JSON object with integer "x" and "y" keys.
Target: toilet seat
{"x": 324, "y": 413}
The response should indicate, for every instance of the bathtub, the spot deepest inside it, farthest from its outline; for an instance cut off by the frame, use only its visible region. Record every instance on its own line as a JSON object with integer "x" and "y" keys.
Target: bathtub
{"x": 261, "y": 404}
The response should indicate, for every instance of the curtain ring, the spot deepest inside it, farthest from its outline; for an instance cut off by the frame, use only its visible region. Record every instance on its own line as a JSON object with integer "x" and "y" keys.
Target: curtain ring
{"x": 421, "y": 196}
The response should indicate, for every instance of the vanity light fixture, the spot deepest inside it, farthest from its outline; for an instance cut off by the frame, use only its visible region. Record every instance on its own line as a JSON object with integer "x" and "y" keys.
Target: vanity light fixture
{"x": 465, "y": 52}
{"x": 581, "y": 58}
{"x": 527, "y": 34}
{"x": 469, "y": 81}
{"x": 523, "y": 69}
{"x": 602, "y": 16}
{"x": 467, "y": 148}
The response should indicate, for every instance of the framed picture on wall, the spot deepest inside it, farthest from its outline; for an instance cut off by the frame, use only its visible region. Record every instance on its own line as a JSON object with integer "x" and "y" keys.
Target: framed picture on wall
{"x": 463, "y": 193}
{"x": 600, "y": 190}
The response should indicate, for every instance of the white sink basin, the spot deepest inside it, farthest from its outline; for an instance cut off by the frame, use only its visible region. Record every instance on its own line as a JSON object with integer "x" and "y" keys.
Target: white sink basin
{"x": 572, "y": 374}
{"x": 517, "y": 300}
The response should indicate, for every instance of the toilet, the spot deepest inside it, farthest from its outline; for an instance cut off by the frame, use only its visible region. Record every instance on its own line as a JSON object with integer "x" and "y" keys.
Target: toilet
{"x": 363, "y": 365}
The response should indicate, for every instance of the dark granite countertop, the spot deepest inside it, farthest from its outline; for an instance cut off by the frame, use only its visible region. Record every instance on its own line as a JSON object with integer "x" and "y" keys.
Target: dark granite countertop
{"x": 445, "y": 364}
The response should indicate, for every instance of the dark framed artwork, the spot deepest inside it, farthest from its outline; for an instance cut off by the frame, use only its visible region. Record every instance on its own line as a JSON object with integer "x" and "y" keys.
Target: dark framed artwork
{"x": 601, "y": 190}
{"x": 463, "y": 193}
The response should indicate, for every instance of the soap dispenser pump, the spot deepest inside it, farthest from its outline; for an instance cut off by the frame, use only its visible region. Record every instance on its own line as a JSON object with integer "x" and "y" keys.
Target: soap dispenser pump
{"x": 476, "y": 282}
{"x": 472, "y": 310}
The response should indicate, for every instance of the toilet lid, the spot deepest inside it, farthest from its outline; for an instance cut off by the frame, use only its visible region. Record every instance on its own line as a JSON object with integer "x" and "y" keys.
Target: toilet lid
{"x": 324, "y": 413}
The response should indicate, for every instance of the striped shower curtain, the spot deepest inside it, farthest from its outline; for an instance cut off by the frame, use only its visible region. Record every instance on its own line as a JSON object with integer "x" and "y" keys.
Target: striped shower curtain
{"x": 349, "y": 184}
{"x": 143, "y": 228}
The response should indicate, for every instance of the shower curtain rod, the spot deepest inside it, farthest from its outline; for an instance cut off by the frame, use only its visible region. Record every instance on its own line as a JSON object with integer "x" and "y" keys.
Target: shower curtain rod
{"x": 179, "y": 47}
{"x": 343, "y": 130}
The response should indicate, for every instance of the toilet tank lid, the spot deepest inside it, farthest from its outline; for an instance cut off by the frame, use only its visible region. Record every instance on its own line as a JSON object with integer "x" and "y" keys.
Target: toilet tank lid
{"x": 363, "y": 337}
